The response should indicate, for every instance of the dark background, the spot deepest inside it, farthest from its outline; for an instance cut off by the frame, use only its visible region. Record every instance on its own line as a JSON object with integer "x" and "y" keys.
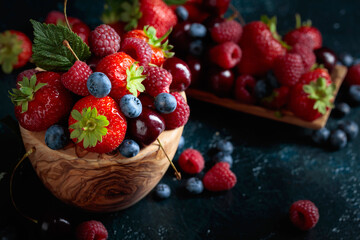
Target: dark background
{"x": 276, "y": 164}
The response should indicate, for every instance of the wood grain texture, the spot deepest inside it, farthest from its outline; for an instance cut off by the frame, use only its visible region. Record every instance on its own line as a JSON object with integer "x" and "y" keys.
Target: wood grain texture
{"x": 337, "y": 76}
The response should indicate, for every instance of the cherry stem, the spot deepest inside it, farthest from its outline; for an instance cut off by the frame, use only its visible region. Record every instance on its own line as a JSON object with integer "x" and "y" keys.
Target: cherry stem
{"x": 237, "y": 15}
{"x": 177, "y": 174}
{"x": 67, "y": 44}
{"x": 66, "y": 19}
{"x": 28, "y": 153}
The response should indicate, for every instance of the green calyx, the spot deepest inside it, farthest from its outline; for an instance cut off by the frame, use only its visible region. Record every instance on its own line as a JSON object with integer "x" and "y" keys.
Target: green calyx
{"x": 150, "y": 32}
{"x": 89, "y": 128}
{"x": 271, "y": 23}
{"x": 25, "y": 93}
{"x": 322, "y": 93}
{"x": 299, "y": 24}
{"x": 134, "y": 79}
{"x": 10, "y": 48}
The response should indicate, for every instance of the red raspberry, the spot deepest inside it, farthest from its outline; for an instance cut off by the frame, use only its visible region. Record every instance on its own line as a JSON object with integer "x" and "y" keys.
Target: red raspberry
{"x": 104, "y": 41}
{"x": 180, "y": 116}
{"x": 27, "y": 73}
{"x": 75, "y": 79}
{"x": 307, "y": 55}
{"x": 91, "y": 230}
{"x": 244, "y": 88}
{"x": 226, "y": 55}
{"x": 288, "y": 69}
{"x": 138, "y": 49}
{"x": 353, "y": 75}
{"x": 82, "y": 30}
{"x": 304, "y": 214}
{"x": 158, "y": 81}
{"x": 191, "y": 161}
{"x": 227, "y": 31}
{"x": 219, "y": 178}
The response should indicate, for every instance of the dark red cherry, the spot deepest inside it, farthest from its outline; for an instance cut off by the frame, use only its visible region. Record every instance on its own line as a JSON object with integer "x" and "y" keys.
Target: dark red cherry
{"x": 146, "y": 128}
{"x": 196, "y": 68}
{"x": 54, "y": 227}
{"x": 181, "y": 75}
{"x": 221, "y": 82}
{"x": 213, "y": 21}
{"x": 327, "y": 57}
{"x": 180, "y": 37}
{"x": 218, "y": 7}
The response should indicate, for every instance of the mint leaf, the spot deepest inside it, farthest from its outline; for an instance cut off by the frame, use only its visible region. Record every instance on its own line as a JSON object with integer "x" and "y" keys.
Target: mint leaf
{"x": 49, "y": 53}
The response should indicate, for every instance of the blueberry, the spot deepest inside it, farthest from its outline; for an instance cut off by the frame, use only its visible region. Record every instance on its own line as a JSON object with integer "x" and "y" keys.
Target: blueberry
{"x": 320, "y": 136}
{"x": 347, "y": 59}
{"x": 262, "y": 89}
{"x": 181, "y": 142}
{"x": 223, "y": 157}
{"x": 197, "y": 30}
{"x": 338, "y": 139}
{"x": 56, "y": 137}
{"x": 129, "y": 148}
{"x": 341, "y": 110}
{"x": 354, "y": 94}
{"x": 351, "y": 128}
{"x": 194, "y": 185}
{"x": 162, "y": 190}
{"x": 196, "y": 47}
{"x": 271, "y": 80}
{"x": 225, "y": 146}
{"x": 131, "y": 106}
{"x": 165, "y": 103}
{"x": 182, "y": 13}
{"x": 98, "y": 84}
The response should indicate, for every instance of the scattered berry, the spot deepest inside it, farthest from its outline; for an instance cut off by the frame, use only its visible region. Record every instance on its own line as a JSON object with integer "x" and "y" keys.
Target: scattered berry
{"x": 138, "y": 49}
{"x": 130, "y": 106}
{"x": 219, "y": 178}
{"x": 194, "y": 185}
{"x": 162, "y": 191}
{"x": 304, "y": 214}
{"x": 351, "y": 128}
{"x": 226, "y": 55}
{"x": 182, "y": 13}
{"x": 165, "y": 103}
{"x": 196, "y": 48}
{"x": 56, "y": 137}
{"x": 181, "y": 142}
{"x": 75, "y": 79}
{"x": 180, "y": 116}
{"x": 288, "y": 69}
{"x": 244, "y": 89}
{"x": 353, "y": 75}
{"x": 129, "y": 148}
{"x": 341, "y": 110}
{"x": 197, "y": 30}
{"x": 91, "y": 230}
{"x": 347, "y": 59}
{"x": 181, "y": 75}
{"x": 227, "y": 31}
{"x": 354, "y": 94}
{"x": 191, "y": 161}
{"x": 320, "y": 136}
{"x": 104, "y": 41}
{"x": 225, "y": 146}
{"x": 98, "y": 84}
{"x": 223, "y": 157}
{"x": 338, "y": 139}
{"x": 157, "y": 81}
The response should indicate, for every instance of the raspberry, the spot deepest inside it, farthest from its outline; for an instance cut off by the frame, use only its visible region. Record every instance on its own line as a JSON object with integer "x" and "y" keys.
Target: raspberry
{"x": 180, "y": 116}
{"x": 191, "y": 161}
{"x": 304, "y": 214}
{"x": 219, "y": 178}
{"x": 226, "y": 55}
{"x": 91, "y": 230}
{"x": 158, "y": 81}
{"x": 288, "y": 69}
{"x": 307, "y": 55}
{"x": 353, "y": 75}
{"x": 27, "y": 73}
{"x": 76, "y": 78}
{"x": 138, "y": 49}
{"x": 227, "y": 31}
{"x": 104, "y": 41}
{"x": 244, "y": 89}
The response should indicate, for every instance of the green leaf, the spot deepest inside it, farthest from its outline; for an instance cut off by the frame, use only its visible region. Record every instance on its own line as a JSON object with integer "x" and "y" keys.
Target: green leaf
{"x": 49, "y": 53}
{"x": 134, "y": 79}
{"x": 76, "y": 115}
{"x": 175, "y": 2}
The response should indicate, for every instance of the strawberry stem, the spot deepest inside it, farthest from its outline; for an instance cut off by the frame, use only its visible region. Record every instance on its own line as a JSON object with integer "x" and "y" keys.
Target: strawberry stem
{"x": 67, "y": 44}
{"x": 177, "y": 174}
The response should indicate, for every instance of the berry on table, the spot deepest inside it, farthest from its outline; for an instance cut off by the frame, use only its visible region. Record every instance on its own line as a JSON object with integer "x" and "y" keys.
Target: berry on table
{"x": 165, "y": 103}
{"x": 225, "y": 146}
{"x": 91, "y": 230}
{"x": 226, "y": 31}
{"x": 104, "y": 41}
{"x": 304, "y": 214}
{"x": 194, "y": 185}
{"x": 197, "y": 30}
{"x": 226, "y": 55}
{"x": 98, "y": 84}
{"x": 56, "y": 137}
{"x": 180, "y": 116}
{"x": 223, "y": 157}
{"x": 351, "y": 128}
{"x": 341, "y": 110}
{"x": 129, "y": 148}
{"x": 162, "y": 191}
{"x": 130, "y": 106}
{"x": 354, "y": 94}
{"x": 338, "y": 139}
{"x": 219, "y": 178}
{"x": 320, "y": 136}
{"x": 182, "y": 13}
{"x": 191, "y": 161}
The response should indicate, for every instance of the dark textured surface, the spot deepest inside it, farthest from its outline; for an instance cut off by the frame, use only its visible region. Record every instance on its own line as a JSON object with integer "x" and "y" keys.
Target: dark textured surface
{"x": 275, "y": 163}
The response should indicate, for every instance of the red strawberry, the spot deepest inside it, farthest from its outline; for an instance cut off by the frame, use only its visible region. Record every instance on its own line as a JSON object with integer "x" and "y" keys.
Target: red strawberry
{"x": 76, "y": 78}
{"x": 353, "y": 75}
{"x": 229, "y": 30}
{"x": 260, "y": 45}
{"x": 157, "y": 81}
{"x": 15, "y": 49}
{"x": 244, "y": 88}
{"x": 288, "y": 69}
{"x": 97, "y": 124}
{"x": 82, "y": 30}
{"x": 180, "y": 116}
{"x": 219, "y": 178}
{"x": 225, "y": 55}
{"x": 314, "y": 75}
{"x": 278, "y": 99}
{"x": 307, "y": 55}
{"x": 124, "y": 74}
{"x": 311, "y": 101}
{"x": 40, "y": 101}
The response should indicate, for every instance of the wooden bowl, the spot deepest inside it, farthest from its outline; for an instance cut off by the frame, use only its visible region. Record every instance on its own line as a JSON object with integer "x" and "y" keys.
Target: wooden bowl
{"x": 100, "y": 183}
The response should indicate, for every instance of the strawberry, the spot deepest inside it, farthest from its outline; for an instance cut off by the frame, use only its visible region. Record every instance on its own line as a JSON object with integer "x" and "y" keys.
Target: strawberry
{"x": 157, "y": 81}
{"x": 219, "y": 178}
{"x": 40, "y": 101}
{"x": 311, "y": 101}
{"x": 307, "y": 55}
{"x": 161, "y": 51}
{"x": 288, "y": 69}
{"x": 314, "y": 74}
{"x": 278, "y": 99}
{"x": 97, "y": 124}
{"x": 15, "y": 50}
{"x": 260, "y": 45}
{"x": 124, "y": 74}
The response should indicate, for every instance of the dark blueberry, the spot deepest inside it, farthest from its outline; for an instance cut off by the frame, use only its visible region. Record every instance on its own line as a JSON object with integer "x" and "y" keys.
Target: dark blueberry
{"x": 182, "y": 13}
{"x": 98, "y": 84}
{"x": 181, "y": 142}
{"x": 54, "y": 227}
{"x": 197, "y": 30}
{"x": 347, "y": 59}
{"x": 165, "y": 103}
{"x": 223, "y": 157}
{"x": 225, "y": 146}
{"x": 341, "y": 110}
{"x": 351, "y": 128}
{"x": 338, "y": 139}
{"x": 56, "y": 137}
{"x": 262, "y": 89}
{"x": 196, "y": 48}
{"x": 354, "y": 94}
{"x": 320, "y": 136}
{"x": 271, "y": 80}
{"x": 162, "y": 190}
{"x": 129, "y": 148}
{"x": 130, "y": 106}
{"x": 194, "y": 185}
{"x": 356, "y": 61}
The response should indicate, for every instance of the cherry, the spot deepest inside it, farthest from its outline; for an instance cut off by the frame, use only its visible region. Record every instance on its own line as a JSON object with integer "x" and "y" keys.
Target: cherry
{"x": 218, "y": 7}
{"x": 180, "y": 37}
{"x": 327, "y": 57}
{"x": 146, "y": 128}
{"x": 195, "y": 66}
{"x": 213, "y": 21}
{"x": 180, "y": 72}
{"x": 221, "y": 81}
{"x": 54, "y": 227}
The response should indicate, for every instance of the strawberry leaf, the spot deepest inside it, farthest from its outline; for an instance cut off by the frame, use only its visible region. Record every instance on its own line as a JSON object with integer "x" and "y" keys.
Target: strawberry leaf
{"x": 134, "y": 79}
{"x": 10, "y": 48}
{"x": 49, "y": 53}
{"x": 175, "y": 2}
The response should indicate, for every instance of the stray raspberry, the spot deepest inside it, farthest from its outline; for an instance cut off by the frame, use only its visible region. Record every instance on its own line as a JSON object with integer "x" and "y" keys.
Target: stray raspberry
{"x": 227, "y": 31}
{"x": 226, "y": 55}
{"x": 307, "y": 55}
{"x": 138, "y": 49}
{"x": 75, "y": 79}
{"x": 91, "y": 230}
{"x": 180, "y": 116}
{"x": 104, "y": 41}
{"x": 288, "y": 69}
{"x": 244, "y": 89}
{"x": 219, "y": 178}
{"x": 158, "y": 81}
{"x": 304, "y": 214}
{"x": 27, "y": 73}
{"x": 191, "y": 161}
